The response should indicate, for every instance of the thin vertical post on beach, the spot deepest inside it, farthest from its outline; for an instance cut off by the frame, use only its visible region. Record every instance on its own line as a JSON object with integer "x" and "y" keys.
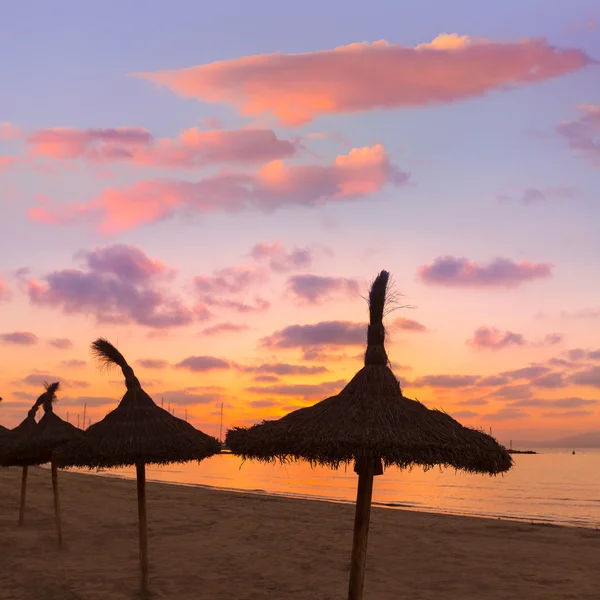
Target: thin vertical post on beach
{"x": 23, "y": 495}
{"x": 143, "y": 528}
{"x": 84, "y": 410}
{"x": 56, "y": 502}
{"x": 362, "y": 517}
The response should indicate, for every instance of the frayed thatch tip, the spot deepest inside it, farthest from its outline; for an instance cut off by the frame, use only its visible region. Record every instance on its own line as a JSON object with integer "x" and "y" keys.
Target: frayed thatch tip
{"x": 50, "y": 395}
{"x": 375, "y": 353}
{"x": 108, "y": 356}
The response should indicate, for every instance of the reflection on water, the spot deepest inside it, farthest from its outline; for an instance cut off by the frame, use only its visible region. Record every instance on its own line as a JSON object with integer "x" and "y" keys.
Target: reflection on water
{"x": 553, "y": 486}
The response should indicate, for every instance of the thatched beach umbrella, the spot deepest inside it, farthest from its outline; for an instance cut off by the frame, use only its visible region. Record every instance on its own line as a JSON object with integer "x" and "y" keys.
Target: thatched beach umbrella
{"x": 137, "y": 432}
{"x": 14, "y": 436}
{"x": 37, "y": 446}
{"x": 373, "y": 425}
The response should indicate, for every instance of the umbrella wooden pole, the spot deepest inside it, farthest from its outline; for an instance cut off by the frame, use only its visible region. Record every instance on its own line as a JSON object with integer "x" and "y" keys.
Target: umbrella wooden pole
{"x": 23, "y": 495}
{"x": 54, "y": 470}
{"x": 366, "y": 471}
{"x": 143, "y": 533}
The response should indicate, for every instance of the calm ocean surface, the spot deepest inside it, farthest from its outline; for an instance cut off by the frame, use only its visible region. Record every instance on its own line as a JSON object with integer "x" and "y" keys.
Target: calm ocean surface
{"x": 554, "y": 486}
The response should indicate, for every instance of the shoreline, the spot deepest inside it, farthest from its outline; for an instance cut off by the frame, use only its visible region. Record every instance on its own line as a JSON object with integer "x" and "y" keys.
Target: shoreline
{"x": 209, "y": 543}
{"x": 531, "y": 519}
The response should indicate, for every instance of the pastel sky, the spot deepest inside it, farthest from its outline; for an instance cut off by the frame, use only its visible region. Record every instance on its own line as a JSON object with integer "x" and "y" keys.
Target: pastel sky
{"x": 212, "y": 187}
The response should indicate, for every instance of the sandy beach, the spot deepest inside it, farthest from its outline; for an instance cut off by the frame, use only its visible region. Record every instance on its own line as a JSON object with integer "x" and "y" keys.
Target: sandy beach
{"x": 223, "y": 546}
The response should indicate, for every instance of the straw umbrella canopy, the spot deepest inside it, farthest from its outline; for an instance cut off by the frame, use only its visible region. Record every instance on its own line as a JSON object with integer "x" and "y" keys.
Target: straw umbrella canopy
{"x": 24, "y": 430}
{"x": 37, "y": 445}
{"x": 373, "y": 425}
{"x": 137, "y": 432}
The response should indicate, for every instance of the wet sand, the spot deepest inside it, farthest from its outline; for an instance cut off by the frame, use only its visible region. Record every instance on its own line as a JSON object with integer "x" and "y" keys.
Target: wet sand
{"x": 234, "y": 546}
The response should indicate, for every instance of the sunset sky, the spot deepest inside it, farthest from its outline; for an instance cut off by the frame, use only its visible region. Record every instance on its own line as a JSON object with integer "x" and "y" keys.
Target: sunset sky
{"x": 212, "y": 187}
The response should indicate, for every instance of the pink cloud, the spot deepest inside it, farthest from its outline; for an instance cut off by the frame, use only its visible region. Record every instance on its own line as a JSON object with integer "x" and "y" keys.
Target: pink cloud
{"x": 119, "y": 284}
{"x": 351, "y": 176}
{"x": 193, "y": 148}
{"x": 6, "y": 162}
{"x": 279, "y": 259}
{"x": 342, "y": 80}
{"x": 583, "y": 133}
{"x": 19, "y": 338}
{"x": 230, "y": 280}
{"x": 461, "y": 272}
{"x": 408, "y": 325}
{"x": 10, "y": 132}
{"x": 92, "y": 144}
{"x": 493, "y": 339}
{"x": 314, "y": 289}
{"x": 228, "y": 288}
{"x": 5, "y": 293}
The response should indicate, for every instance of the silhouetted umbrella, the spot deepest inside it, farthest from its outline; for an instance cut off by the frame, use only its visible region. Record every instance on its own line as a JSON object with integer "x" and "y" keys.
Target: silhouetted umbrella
{"x": 37, "y": 445}
{"x": 137, "y": 432}
{"x": 14, "y": 436}
{"x": 371, "y": 423}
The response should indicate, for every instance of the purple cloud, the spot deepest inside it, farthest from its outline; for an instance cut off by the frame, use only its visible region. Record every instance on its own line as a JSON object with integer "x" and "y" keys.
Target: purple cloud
{"x": 217, "y": 289}
{"x": 280, "y": 260}
{"x": 188, "y": 396}
{"x": 152, "y": 363}
{"x": 231, "y": 280}
{"x": 583, "y": 133}
{"x": 537, "y": 195}
{"x": 61, "y": 343}
{"x": 19, "y": 338}
{"x": 202, "y": 363}
{"x": 551, "y": 339}
{"x": 550, "y": 381}
{"x": 91, "y": 401}
{"x": 38, "y": 379}
{"x": 120, "y": 285}
{"x": 283, "y": 369}
{"x": 530, "y": 372}
{"x": 220, "y": 328}
{"x": 260, "y": 304}
{"x": 267, "y": 403}
{"x": 573, "y": 402}
{"x": 317, "y": 390}
{"x": 325, "y": 333}
{"x": 493, "y": 339}
{"x": 314, "y": 289}
{"x": 589, "y": 377}
{"x": 512, "y": 392}
{"x": 493, "y": 381}
{"x": 444, "y": 381}
{"x": 453, "y": 271}
{"x": 567, "y": 414}
{"x": 265, "y": 379}
{"x": 74, "y": 363}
